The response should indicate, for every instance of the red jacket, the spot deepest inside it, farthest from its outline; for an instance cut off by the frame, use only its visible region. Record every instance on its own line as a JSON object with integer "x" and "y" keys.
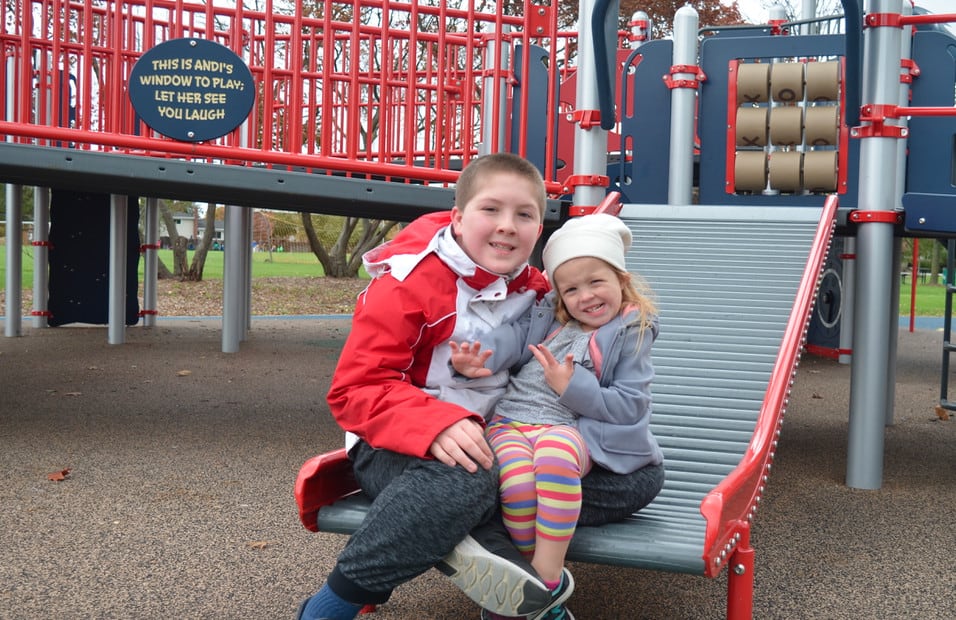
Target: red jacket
{"x": 398, "y": 345}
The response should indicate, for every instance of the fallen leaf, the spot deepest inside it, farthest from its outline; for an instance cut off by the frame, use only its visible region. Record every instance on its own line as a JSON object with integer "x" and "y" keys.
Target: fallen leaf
{"x": 815, "y": 395}
{"x": 942, "y": 413}
{"x": 184, "y": 373}
{"x": 260, "y": 544}
{"x": 73, "y": 393}
{"x": 59, "y": 476}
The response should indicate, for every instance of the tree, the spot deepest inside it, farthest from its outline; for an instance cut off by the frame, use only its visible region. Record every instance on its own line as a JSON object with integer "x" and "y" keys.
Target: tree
{"x": 182, "y": 268}
{"x": 661, "y": 13}
{"x": 341, "y": 254}
{"x": 793, "y": 7}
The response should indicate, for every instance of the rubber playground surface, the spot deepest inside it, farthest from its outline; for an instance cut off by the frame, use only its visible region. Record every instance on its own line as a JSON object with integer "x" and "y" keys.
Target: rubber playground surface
{"x": 178, "y": 463}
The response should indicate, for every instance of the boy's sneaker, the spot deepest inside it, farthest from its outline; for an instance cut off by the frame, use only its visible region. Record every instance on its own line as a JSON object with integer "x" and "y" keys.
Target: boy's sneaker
{"x": 491, "y": 572}
{"x": 555, "y": 610}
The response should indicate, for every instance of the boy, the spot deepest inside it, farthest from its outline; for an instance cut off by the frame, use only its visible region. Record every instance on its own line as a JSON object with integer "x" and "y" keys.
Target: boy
{"x": 415, "y": 433}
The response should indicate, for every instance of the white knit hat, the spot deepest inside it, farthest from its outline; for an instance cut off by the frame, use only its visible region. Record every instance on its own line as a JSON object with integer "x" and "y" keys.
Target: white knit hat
{"x": 598, "y": 235}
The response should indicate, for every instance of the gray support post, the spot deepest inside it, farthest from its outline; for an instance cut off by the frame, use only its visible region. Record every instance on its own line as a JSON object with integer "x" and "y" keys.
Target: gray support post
{"x": 151, "y": 262}
{"x": 41, "y": 255}
{"x": 680, "y": 188}
{"x": 14, "y": 302}
{"x": 14, "y": 307}
{"x": 497, "y": 55}
{"x": 233, "y": 292}
{"x": 871, "y": 359}
{"x": 590, "y": 143}
{"x": 247, "y": 271}
{"x": 808, "y": 10}
{"x": 849, "y": 299}
{"x": 903, "y": 98}
{"x": 117, "y": 300}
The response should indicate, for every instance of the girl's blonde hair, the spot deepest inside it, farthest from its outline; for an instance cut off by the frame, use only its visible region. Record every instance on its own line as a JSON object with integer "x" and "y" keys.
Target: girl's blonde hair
{"x": 636, "y": 295}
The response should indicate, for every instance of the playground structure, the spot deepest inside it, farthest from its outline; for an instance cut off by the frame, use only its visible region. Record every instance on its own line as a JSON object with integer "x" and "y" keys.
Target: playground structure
{"x": 782, "y": 122}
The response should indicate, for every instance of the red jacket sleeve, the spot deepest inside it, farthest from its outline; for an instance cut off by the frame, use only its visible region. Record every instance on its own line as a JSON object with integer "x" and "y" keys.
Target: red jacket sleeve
{"x": 376, "y": 388}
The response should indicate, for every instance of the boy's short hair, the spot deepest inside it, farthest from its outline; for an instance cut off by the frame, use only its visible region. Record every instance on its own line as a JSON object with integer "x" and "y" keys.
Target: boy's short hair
{"x": 469, "y": 181}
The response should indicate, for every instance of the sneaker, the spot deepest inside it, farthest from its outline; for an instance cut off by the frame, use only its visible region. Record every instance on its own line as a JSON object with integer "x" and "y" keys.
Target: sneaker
{"x": 555, "y": 610}
{"x": 559, "y": 612}
{"x": 492, "y": 573}
{"x": 555, "y": 613}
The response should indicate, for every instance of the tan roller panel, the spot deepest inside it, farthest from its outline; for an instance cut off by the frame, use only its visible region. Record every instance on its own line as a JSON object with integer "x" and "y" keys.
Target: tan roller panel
{"x": 822, "y": 125}
{"x": 786, "y": 125}
{"x": 785, "y": 171}
{"x": 823, "y": 81}
{"x": 751, "y": 127}
{"x": 750, "y": 171}
{"x": 786, "y": 82}
{"x": 753, "y": 84}
{"x": 820, "y": 171}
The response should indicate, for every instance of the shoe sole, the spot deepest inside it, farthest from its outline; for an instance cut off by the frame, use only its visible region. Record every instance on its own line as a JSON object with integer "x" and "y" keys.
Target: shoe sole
{"x": 493, "y": 582}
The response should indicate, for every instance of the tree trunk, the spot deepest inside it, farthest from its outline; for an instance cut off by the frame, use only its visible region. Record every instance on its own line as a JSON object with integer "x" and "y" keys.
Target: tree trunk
{"x": 343, "y": 261}
{"x": 199, "y": 257}
{"x": 177, "y": 242}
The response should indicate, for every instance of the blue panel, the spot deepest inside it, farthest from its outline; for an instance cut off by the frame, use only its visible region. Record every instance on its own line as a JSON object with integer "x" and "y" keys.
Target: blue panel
{"x": 537, "y": 84}
{"x": 930, "y": 166}
{"x": 930, "y": 213}
{"x": 80, "y": 258}
{"x": 642, "y": 178}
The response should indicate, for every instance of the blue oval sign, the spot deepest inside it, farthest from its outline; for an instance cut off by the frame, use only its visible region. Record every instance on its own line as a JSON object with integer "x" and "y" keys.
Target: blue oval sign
{"x": 191, "y": 89}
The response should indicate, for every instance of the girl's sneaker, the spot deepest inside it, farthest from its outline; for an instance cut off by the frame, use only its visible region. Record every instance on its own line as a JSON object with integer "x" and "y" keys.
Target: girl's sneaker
{"x": 555, "y": 609}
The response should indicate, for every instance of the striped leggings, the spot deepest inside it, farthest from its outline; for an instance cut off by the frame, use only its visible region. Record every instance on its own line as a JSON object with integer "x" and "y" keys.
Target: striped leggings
{"x": 540, "y": 479}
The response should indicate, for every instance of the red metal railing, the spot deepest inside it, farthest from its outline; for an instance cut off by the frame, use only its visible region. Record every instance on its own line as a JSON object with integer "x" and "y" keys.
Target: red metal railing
{"x": 394, "y": 89}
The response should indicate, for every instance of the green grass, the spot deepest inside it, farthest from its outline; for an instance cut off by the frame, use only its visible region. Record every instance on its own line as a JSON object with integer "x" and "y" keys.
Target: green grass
{"x": 280, "y": 264}
{"x": 930, "y": 299}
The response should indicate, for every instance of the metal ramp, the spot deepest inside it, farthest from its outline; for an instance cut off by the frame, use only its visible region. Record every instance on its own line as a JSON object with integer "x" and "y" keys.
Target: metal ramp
{"x": 727, "y": 282}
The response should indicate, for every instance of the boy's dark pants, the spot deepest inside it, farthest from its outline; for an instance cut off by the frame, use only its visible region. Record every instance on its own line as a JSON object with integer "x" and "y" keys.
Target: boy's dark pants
{"x": 422, "y": 508}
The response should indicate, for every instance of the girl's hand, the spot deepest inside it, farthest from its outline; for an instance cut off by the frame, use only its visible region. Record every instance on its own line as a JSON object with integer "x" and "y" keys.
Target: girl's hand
{"x": 557, "y": 374}
{"x": 469, "y": 360}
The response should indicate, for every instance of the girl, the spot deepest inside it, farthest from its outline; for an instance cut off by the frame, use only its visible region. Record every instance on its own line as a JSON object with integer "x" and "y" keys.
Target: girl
{"x": 583, "y": 407}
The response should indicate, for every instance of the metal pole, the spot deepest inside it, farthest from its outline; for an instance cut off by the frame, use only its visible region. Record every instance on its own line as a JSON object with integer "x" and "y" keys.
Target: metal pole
{"x": 117, "y": 298}
{"x": 871, "y": 359}
{"x": 590, "y": 143}
{"x": 247, "y": 271}
{"x": 14, "y": 306}
{"x": 849, "y": 299}
{"x": 903, "y": 97}
{"x": 41, "y": 216}
{"x": 680, "y": 188}
{"x": 497, "y": 56}
{"x": 41, "y": 255}
{"x": 14, "y": 301}
{"x": 808, "y": 10}
{"x": 233, "y": 292}
{"x": 151, "y": 262}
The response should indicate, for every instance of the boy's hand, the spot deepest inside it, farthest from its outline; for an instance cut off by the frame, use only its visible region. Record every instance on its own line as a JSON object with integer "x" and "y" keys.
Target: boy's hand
{"x": 463, "y": 443}
{"x": 557, "y": 375}
{"x": 469, "y": 360}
